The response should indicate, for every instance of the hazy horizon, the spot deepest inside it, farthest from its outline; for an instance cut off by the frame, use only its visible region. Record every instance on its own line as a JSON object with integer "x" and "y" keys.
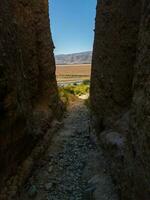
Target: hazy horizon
{"x": 73, "y": 53}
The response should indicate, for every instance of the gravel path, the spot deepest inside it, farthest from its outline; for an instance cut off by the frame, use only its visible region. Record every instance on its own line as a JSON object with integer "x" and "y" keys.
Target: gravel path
{"x": 73, "y": 167}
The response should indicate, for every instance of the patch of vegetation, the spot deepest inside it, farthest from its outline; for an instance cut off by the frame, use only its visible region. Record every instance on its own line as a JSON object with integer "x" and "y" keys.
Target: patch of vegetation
{"x": 72, "y": 91}
{"x": 76, "y": 89}
{"x": 86, "y": 82}
{"x": 66, "y": 96}
{"x": 63, "y": 95}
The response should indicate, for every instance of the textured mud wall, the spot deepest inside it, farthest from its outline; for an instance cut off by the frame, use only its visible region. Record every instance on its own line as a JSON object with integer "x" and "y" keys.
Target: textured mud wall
{"x": 28, "y": 90}
{"x": 113, "y": 58}
{"x": 139, "y": 135}
{"x": 120, "y": 92}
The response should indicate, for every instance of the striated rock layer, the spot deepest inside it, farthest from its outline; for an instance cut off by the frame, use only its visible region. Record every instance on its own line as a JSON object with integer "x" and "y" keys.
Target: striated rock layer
{"x": 28, "y": 89}
{"x": 120, "y": 92}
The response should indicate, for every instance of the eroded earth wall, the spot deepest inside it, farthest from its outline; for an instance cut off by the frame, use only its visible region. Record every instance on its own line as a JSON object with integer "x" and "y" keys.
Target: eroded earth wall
{"x": 120, "y": 92}
{"x": 28, "y": 89}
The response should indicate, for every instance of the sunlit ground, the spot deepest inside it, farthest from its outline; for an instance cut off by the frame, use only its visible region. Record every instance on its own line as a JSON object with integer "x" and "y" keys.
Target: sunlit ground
{"x": 72, "y": 73}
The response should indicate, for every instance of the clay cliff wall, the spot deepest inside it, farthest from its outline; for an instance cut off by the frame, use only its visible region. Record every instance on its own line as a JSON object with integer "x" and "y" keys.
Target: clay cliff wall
{"x": 28, "y": 89}
{"x": 120, "y": 92}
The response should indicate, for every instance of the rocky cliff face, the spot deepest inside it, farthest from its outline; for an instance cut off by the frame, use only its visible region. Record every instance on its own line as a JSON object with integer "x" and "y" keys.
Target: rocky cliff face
{"x": 120, "y": 92}
{"x": 28, "y": 90}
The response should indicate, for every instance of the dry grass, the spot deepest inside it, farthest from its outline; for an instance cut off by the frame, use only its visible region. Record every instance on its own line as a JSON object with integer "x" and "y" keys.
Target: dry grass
{"x": 72, "y": 73}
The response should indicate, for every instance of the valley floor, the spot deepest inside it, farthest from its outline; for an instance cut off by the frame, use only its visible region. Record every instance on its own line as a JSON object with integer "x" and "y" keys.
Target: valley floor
{"x": 73, "y": 167}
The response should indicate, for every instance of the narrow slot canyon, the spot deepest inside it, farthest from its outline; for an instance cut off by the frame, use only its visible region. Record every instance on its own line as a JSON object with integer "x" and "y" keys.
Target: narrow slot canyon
{"x": 50, "y": 150}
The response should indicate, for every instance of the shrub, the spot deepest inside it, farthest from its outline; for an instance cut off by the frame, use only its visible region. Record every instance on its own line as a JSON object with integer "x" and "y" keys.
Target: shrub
{"x": 69, "y": 92}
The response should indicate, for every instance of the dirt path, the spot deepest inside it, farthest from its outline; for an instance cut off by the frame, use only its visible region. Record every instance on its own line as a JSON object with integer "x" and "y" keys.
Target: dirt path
{"x": 73, "y": 167}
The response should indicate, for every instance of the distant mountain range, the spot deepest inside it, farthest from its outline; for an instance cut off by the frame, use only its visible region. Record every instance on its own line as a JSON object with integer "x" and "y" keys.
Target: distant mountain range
{"x": 75, "y": 58}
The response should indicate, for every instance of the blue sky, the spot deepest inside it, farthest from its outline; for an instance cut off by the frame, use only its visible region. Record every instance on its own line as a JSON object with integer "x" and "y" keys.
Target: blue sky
{"x": 72, "y": 24}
